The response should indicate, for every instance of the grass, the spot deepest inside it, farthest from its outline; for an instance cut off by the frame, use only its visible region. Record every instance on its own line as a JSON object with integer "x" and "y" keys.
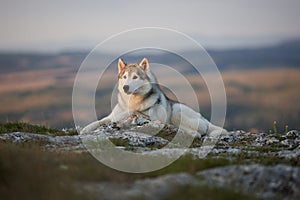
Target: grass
{"x": 27, "y": 172}
{"x": 190, "y": 165}
{"x": 263, "y": 159}
{"x": 207, "y": 193}
{"x": 120, "y": 142}
{"x": 29, "y": 128}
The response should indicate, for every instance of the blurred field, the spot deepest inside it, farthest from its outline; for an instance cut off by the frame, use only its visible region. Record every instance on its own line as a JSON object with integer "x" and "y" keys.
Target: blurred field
{"x": 27, "y": 172}
{"x": 255, "y": 98}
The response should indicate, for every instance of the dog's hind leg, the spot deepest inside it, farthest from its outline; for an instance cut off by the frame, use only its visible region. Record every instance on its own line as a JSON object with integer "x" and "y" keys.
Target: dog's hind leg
{"x": 188, "y": 120}
{"x": 193, "y": 122}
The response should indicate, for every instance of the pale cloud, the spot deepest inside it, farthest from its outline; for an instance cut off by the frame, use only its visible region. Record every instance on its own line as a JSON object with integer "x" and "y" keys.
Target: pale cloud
{"x": 60, "y": 24}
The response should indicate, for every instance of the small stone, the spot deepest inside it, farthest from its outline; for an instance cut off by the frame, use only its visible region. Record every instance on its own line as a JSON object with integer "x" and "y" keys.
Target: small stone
{"x": 272, "y": 140}
{"x": 287, "y": 142}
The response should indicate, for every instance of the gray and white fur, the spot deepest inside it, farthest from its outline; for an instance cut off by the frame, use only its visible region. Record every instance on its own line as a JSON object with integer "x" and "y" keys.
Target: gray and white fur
{"x": 138, "y": 91}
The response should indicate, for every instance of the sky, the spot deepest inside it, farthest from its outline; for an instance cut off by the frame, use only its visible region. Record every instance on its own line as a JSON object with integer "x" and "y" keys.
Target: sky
{"x": 57, "y": 25}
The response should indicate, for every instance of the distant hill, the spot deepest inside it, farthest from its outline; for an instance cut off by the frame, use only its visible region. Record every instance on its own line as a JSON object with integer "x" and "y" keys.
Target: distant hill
{"x": 11, "y": 62}
{"x": 285, "y": 54}
{"x": 37, "y": 88}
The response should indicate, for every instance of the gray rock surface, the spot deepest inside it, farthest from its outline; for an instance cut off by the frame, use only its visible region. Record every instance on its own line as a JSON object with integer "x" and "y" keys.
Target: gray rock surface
{"x": 141, "y": 135}
{"x": 48, "y": 142}
{"x": 267, "y": 182}
{"x": 155, "y": 188}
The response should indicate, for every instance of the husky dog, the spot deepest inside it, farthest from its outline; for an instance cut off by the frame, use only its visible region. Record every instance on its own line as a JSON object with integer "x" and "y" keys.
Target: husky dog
{"x": 139, "y": 92}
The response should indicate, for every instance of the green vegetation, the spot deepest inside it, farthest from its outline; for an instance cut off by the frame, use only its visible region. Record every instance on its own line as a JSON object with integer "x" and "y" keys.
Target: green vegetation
{"x": 205, "y": 192}
{"x": 286, "y": 128}
{"x": 275, "y": 128}
{"x": 191, "y": 165}
{"x": 30, "y": 173}
{"x": 167, "y": 133}
{"x": 263, "y": 158}
{"x": 27, "y": 172}
{"x": 29, "y": 128}
{"x": 120, "y": 142}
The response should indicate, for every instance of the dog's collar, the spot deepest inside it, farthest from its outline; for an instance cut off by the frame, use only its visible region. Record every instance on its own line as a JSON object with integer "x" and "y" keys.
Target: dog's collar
{"x": 156, "y": 103}
{"x": 148, "y": 94}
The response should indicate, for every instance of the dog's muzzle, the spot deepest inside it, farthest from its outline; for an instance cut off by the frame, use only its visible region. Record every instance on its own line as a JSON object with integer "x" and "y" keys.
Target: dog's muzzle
{"x": 126, "y": 88}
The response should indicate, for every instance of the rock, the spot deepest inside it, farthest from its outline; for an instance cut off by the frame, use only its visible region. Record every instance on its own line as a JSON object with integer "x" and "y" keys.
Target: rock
{"x": 287, "y": 142}
{"x": 226, "y": 150}
{"x": 267, "y": 182}
{"x": 48, "y": 142}
{"x": 272, "y": 140}
{"x": 252, "y": 143}
{"x": 289, "y": 154}
{"x": 294, "y": 134}
{"x": 153, "y": 138}
{"x": 142, "y": 135}
{"x": 154, "y": 188}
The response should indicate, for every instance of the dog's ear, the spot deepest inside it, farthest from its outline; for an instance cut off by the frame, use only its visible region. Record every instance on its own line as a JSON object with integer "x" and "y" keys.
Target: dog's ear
{"x": 144, "y": 64}
{"x": 121, "y": 65}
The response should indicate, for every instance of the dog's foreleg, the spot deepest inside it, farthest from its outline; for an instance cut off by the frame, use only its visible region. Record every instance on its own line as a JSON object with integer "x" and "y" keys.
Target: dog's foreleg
{"x": 90, "y": 127}
{"x": 94, "y": 125}
{"x": 215, "y": 131}
{"x": 105, "y": 120}
{"x": 116, "y": 115}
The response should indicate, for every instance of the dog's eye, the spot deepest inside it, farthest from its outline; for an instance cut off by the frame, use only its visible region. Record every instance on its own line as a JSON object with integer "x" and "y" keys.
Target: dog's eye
{"x": 124, "y": 77}
{"x": 134, "y": 77}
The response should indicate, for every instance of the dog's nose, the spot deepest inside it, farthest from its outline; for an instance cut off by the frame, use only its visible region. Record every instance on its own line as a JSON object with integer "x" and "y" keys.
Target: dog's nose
{"x": 126, "y": 88}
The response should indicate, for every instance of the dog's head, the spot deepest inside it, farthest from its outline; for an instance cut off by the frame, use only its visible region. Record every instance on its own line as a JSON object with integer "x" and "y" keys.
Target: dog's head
{"x": 133, "y": 78}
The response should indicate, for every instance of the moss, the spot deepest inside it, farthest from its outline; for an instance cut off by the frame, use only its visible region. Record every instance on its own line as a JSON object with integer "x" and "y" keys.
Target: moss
{"x": 276, "y": 130}
{"x": 197, "y": 142}
{"x": 120, "y": 142}
{"x": 25, "y": 127}
{"x": 264, "y": 159}
{"x": 29, "y": 173}
{"x": 18, "y": 164}
{"x": 166, "y": 133}
{"x": 278, "y": 136}
{"x": 275, "y": 127}
{"x": 191, "y": 165}
{"x": 125, "y": 143}
{"x": 286, "y": 129}
{"x": 205, "y": 192}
